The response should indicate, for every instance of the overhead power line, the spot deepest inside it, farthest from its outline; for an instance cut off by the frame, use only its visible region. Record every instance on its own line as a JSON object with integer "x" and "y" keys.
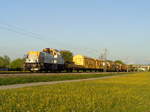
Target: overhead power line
{"x": 19, "y": 31}
{"x": 29, "y": 34}
{"x": 22, "y": 29}
{"x": 23, "y": 32}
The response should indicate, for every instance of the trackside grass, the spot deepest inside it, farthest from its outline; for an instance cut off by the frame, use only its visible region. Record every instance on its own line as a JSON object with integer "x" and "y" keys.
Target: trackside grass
{"x": 7, "y": 80}
{"x": 129, "y": 93}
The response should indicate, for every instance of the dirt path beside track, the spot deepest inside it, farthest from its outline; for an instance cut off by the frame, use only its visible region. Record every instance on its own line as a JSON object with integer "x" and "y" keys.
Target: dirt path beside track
{"x": 54, "y": 82}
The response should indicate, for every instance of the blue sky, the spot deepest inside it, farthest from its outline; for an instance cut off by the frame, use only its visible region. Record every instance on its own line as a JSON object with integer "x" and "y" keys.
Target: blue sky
{"x": 82, "y": 26}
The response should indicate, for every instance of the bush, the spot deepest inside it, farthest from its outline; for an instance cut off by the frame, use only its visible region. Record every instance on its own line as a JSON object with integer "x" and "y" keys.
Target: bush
{"x": 4, "y": 61}
{"x": 17, "y": 63}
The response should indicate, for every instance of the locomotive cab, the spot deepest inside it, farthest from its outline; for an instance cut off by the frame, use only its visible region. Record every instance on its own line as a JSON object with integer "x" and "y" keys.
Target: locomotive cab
{"x": 36, "y": 61}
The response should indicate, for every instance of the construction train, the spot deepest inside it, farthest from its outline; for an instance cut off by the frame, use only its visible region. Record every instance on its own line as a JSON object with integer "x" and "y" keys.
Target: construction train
{"x": 51, "y": 60}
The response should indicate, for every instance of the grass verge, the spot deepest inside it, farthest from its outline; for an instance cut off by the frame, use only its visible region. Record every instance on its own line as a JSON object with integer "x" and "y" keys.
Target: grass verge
{"x": 45, "y": 78}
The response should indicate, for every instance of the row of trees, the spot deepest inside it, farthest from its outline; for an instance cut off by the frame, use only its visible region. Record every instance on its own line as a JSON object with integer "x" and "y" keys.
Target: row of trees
{"x": 5, "y": 62}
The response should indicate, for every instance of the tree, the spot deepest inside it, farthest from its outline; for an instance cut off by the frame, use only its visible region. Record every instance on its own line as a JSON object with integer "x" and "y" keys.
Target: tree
{"x": 67, "y": 55}
{"x": 17, "y": 63}
{"x": 119, "y": 62}
{"x": 4, "y": 62}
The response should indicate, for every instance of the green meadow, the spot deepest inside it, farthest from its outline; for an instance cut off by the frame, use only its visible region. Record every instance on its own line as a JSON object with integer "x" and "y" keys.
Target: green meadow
{"x": 129, "y": 93}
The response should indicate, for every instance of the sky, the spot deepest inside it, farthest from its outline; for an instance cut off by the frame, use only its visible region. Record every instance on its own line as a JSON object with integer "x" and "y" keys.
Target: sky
{"x": 84, "y": 27}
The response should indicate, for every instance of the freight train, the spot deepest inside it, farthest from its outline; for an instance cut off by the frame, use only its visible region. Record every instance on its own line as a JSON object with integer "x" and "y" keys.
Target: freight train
{"x": 51, "y": 60}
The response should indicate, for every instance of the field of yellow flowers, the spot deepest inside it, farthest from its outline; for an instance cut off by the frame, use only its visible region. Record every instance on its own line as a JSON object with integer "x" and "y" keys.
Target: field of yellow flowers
{"x": 129, "y": 93}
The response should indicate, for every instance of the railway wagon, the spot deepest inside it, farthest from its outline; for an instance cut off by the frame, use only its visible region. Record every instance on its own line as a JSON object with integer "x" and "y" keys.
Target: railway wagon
{"x": 87, "y": 63}
{"x": 110, "y": 66}
{"x": 118, "y": 67}
{"x": 124, "y": 68}
{"x": 99, "y": 64}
